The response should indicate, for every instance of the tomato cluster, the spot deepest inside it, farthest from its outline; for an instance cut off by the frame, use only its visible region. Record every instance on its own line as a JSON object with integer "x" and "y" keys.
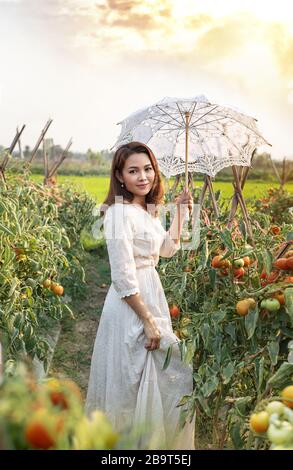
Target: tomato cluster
{"x": 276, "y": 420}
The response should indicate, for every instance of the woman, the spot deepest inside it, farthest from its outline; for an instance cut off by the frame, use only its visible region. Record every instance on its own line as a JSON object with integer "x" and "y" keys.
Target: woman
{"x": 127, "y": 380}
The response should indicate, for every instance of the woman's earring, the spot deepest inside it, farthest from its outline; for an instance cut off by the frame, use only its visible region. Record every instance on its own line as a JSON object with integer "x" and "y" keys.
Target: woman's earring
{"x": 122, "y": 185}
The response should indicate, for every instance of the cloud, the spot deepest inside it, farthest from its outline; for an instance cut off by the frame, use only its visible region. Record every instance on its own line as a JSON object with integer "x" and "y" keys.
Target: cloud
{"x": 282, "y": 47}
{"x": 226, "y": 36}
{"x": 134, "y": 15}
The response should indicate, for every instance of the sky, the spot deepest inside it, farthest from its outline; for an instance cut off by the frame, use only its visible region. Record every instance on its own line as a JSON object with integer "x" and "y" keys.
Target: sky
{"x": 88, "y": 64}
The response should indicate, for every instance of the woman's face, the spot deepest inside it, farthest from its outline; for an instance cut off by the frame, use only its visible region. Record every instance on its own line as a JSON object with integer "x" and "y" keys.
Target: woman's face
{"x": 138, "y": 174}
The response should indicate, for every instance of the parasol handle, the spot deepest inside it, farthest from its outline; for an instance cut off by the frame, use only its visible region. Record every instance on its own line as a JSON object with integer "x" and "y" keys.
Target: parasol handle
{"x": 187, "y": 121}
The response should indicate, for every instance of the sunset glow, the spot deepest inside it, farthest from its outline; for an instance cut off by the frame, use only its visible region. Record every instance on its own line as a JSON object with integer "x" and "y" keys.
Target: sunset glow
{"x": 234, "y": 51}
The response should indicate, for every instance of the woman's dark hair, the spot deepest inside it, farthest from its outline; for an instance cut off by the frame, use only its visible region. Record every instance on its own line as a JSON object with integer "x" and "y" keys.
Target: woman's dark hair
{"x": 156, "y": 194}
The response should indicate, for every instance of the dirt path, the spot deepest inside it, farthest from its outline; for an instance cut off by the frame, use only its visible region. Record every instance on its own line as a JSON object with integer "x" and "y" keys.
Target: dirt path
{"x": 72, "y": 356}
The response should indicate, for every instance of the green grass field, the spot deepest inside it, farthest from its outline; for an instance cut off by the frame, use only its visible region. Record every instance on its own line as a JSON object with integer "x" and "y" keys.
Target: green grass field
{"x": 97, "y": 186}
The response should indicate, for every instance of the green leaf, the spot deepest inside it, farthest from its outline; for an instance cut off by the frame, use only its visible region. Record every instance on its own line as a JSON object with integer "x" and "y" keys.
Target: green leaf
{"x": 5, "y": 229}
{"x": 212, "y": 277}
{"x": 243, "y": 229}
{"x": 259, "y": 373}
{"x": 289, "y": 303}
{"x": 231, "y": 331}
{"x": 226, "y": 238}
{"x": 210, "y": 386}
{"x": 219, "y": 316}
{"x": 187, "y": 359}
{"x": 68, "y": 309}
{"x": 13, "y": 286}
{"x": 168, "y": 357}
{"x": 273, "y": 348}
{"x": 268, "y": 261}
{"x": 205, "y": 332}
{"x": 283, "y": 376}
{"x": 251, "y": 322}
{"x": 203, "y": 404}
{"x": 184, "y": 400}
{"x": 236, "y": 436}
{"x": 241, "y": 405}
{"x": 228, "y": 373}
{"x": 204, "y": 254}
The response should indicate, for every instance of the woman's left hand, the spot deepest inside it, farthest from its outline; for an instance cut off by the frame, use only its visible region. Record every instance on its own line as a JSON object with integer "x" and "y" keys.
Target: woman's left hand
{"x": 185, "y": 198}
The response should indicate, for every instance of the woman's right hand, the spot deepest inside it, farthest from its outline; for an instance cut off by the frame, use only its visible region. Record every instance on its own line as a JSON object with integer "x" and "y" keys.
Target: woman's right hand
{"x": 152, "y": 333}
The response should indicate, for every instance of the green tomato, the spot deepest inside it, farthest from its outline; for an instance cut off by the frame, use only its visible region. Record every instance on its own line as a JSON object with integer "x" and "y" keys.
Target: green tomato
{"x": 272, "y": 305}
{"x": 263, "y": 304}
{"x": 282, "y": 434}
{"x": 248, "y": 247}
{"x": 238, "y": 263}
{"x": 184, "y": 333}
{"x": 288, "y": 413}
{"x": 275, "y": 407}
{"x": 185, "y": 321}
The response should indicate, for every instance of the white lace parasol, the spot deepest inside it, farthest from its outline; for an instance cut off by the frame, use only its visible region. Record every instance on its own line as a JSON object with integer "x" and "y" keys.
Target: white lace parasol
{"x": 193, "y": 134}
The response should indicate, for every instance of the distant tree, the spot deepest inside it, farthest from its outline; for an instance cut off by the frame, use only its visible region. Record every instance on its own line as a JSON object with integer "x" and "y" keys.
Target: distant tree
{"x": 262, "y": 161}
{"x": 95, "y": 158}
{"x": 107, "y": 154}
{"x": 27, "y": 151}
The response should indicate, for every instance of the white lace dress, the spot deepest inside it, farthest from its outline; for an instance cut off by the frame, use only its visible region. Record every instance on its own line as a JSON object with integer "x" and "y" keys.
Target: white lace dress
{"x": 126, "y": 380}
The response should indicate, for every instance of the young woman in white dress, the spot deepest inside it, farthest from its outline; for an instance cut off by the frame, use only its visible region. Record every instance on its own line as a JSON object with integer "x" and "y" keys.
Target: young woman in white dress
{"x": 127, "y": 380}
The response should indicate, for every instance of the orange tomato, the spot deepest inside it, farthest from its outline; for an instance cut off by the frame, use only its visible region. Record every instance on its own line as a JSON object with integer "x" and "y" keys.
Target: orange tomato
{"x": 288, "y": 394}
{"x": 187, "y": 269}
{"x": 259, "y": 422}
{"x": 272, "y": 277}
{"x": 243, "y": 306}
{"x": 174, "y": 311}
{"x": 280, "y": 297}
{"x": 57, "y": 289}
{"x": 217, "y": 261}
{"x": 239, "y": 273}
{"x": 247, "y": 260}
{"x": 275, "y": 229}
{"x": 60, "y": 392}
{"x": 281, "y": 263}
{"x": 41, "y": 432}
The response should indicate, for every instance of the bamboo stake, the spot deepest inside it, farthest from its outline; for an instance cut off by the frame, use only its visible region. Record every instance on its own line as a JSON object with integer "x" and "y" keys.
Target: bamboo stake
{"x": 175, "y": 184}
{"x": 62, "y": 158}
{"x": 190, "y": 180}
{"x": 211, "y": 190}
{"x": 242, "y": 201}
{"x": 276, "y": 171}
{"x": 40, "y": 139}
{"x": 19, "y": 146}
{"x": 46, "y": 163}
{"x": 203, "y": 192}
{"x": 10, "y": 149}
{"x": 243, "y": 178}
{"x": 2, "y": 176}
{"x": 283, "y": 172}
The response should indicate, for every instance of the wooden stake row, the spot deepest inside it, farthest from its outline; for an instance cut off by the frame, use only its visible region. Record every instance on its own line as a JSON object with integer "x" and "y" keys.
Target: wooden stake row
{"x": 16, "y": 140}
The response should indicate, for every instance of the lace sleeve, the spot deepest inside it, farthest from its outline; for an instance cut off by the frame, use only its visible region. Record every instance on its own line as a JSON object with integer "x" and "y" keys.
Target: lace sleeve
{"x": 119, "y": 239}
